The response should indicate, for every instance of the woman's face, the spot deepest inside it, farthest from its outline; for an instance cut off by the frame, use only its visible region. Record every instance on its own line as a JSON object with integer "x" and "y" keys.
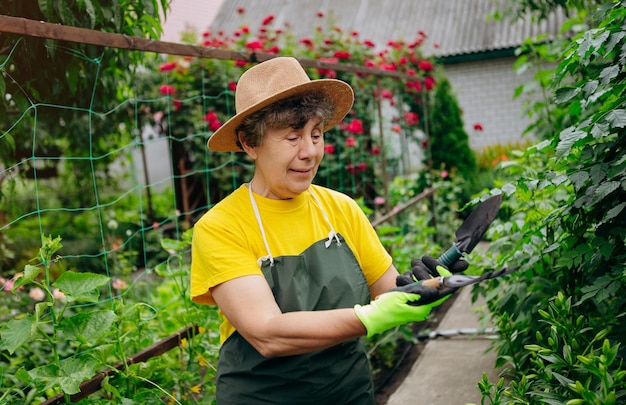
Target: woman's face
{"x": 287, "y": 159}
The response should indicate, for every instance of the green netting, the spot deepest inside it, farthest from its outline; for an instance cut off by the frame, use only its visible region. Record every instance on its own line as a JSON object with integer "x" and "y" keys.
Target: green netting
{"x": 119, "y": 172}
{"x": 93, "y": 173}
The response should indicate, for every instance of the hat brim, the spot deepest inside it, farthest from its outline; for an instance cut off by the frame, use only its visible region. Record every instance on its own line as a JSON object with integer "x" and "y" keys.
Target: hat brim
{"x": 225, "y": 139}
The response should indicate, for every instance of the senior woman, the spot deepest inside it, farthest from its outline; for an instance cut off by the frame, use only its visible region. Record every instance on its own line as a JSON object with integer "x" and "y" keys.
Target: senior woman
{"x": 293, "y": 267}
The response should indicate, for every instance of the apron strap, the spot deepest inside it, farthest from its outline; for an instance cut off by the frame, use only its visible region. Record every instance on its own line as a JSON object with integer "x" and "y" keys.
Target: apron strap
{"x": 332, "y": 234}
{"x": 269, "y": 256}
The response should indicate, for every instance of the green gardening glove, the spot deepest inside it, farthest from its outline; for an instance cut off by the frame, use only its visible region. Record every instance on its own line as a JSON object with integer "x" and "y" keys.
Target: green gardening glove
{"x": 397, "y": 307}
{"x": 428, "y": 267}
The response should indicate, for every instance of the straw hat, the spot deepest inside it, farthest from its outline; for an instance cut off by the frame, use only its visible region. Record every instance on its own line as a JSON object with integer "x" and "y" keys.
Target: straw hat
{"x": 274, "y": 80}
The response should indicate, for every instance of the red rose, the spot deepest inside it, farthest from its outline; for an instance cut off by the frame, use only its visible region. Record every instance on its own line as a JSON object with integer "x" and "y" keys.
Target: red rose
{"x": 330, "y": 149}
{"x": 411, "y": 118}
{"x": 167, "y": 90}
{"x": 351, "y": 142}
{"x": 355, "y": 127}
{"x": 268, "y": 19}
{"x": 425, "y": 65}
{"x": 167, "y": 67}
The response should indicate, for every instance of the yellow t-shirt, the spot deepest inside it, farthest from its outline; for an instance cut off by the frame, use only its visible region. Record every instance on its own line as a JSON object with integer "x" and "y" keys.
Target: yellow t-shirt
{"x": 227, "y": 241}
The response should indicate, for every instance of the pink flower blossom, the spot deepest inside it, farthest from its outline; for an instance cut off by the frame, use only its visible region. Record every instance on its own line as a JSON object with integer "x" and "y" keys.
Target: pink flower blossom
{"x": 362, "y": 166}
{"x": 375, "y": 151}
{"x": 444, "y": 174}
{"x": 330, "y": 149}
{"x": 119, "y": 284}
{"x": 58, "y": 295}
{"x": 396, "y": 128}
{"x": 37, "y": 294}
{"x": 379, "y": 200}
{"x": 478, "y": 127}
{"x": 320, "y": 14}
{"x": 350, "y": 168}
{"x": 351, "y": 142}
{"x": 232, "y": 86}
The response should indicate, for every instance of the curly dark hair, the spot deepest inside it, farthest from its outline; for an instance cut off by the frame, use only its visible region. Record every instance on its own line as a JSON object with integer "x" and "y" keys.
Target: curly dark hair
{"x": 293, "y": 112}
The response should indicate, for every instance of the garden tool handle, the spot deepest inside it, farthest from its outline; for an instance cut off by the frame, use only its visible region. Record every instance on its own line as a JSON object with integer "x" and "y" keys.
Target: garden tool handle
{"x": 435, "y": 282}
{"x": 450, "y": 256}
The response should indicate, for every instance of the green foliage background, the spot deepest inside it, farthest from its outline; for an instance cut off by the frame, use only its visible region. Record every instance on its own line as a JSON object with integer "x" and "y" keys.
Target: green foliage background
{"x": 561, "y": 317}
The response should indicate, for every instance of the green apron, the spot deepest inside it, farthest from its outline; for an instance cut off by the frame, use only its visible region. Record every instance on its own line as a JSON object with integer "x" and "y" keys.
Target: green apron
{"x": 324, "y": 276}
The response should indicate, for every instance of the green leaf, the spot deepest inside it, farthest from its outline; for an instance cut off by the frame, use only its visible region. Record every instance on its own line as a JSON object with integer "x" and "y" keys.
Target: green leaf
{"x": 617, "y": 118}
{"x": 578, "y": 179}
{"x": 172, "y": 245}
{"x": 45, "y": 6}
{"x": 590, "y": 87}
{"x": 89, "y": 8}
{"x": 605, "y": 189}
{"x": 165, "y": 270}
{"x": 80, "y": 286}
{"x": 69, "y": 376}
{"x": 86, "y": 327}
{"x": 16, "y": 332}
{"x": 599, "y": 130}
{"x": 568, "y": 138}
{"x": 613, "y": 212}
{"x": 565, "y": 94}
{"x": 608, "y": 73}
{"x": 75, "y": 371}
{"x": 30, "y": 273}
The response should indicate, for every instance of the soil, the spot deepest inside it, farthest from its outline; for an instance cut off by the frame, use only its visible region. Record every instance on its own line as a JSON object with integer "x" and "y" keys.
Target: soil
{"x": 388, "y": 380}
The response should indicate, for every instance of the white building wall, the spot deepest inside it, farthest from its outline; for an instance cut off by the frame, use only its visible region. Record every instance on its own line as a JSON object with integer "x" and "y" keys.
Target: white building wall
{"x": 484, "y": 90}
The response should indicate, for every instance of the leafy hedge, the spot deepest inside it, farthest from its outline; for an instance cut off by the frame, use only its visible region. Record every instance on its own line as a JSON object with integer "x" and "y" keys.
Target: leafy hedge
{"x": 562, "y": 315}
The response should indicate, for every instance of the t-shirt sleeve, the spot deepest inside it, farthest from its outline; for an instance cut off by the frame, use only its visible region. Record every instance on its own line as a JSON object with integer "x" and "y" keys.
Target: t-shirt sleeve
{"x": 219, "y": 253}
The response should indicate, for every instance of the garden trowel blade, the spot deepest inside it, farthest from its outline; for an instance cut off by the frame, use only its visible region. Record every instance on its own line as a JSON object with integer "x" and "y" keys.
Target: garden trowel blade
{"x": 475, "y": 225}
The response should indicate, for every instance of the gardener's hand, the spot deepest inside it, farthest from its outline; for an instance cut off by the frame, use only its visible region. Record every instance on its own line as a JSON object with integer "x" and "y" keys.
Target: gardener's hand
{"x": 428, "y": 267}
{"x": 401, "y": 305}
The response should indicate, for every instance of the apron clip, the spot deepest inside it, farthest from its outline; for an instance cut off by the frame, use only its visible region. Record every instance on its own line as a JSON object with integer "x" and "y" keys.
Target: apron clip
{"x": 332, "y": 234}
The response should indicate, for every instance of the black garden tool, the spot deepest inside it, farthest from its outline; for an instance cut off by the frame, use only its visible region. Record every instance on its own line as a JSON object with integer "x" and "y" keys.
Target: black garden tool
{"x": 459, "y": 280}
{"x": 472, "y": 230}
